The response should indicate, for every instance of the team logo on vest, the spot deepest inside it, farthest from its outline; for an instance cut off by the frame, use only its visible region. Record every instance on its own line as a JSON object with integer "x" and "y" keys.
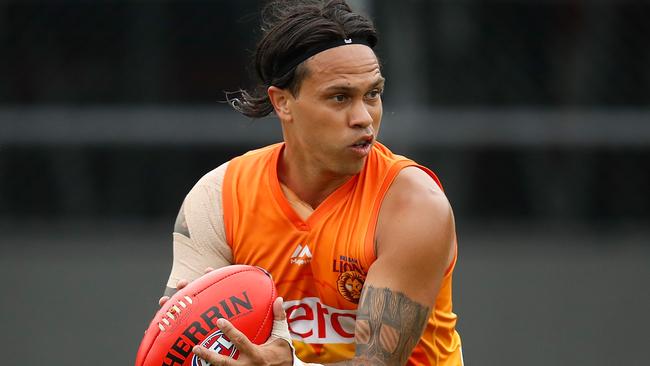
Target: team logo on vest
{"x": 217, "y": 342}
{"x": 351, "y": 277}
{"x": 350, "y": 284}
{"x": 302, "y": 255}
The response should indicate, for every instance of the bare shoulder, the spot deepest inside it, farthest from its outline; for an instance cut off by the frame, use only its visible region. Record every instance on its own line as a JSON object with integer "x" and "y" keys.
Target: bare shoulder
{"x": 415, "y": 199}
{"x": 415, "y": 236}
{"x": 413, "y": 187}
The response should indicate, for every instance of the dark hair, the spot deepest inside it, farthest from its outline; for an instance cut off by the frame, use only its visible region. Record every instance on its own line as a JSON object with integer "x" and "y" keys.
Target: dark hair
{"x": 290, "y": 27}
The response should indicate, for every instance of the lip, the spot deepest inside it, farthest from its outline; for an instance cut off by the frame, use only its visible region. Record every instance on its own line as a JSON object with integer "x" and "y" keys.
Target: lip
{"x": 362, "y": 146}
{"x": 364, "y": 139}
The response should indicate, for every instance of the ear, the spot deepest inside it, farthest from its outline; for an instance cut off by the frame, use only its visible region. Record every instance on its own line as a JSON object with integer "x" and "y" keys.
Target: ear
{"x": 281, "y": 99}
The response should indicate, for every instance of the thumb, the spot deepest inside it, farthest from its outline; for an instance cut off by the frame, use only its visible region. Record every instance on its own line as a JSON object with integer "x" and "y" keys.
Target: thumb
{"x": 278, "y": 309}
{"x": 280, "y": 326}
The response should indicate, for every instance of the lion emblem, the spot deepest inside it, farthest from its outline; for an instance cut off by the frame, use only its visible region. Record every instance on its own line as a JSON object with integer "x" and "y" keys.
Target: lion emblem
{"x": 350, "y": 284}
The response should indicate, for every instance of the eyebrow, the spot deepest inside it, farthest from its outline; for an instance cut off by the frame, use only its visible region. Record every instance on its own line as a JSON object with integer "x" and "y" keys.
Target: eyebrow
{"x": 344, "y": 88}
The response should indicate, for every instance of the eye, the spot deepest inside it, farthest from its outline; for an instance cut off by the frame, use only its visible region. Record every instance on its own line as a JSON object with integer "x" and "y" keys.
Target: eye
{"x": 374, "y": 94}
{"x": 340, "y": 98}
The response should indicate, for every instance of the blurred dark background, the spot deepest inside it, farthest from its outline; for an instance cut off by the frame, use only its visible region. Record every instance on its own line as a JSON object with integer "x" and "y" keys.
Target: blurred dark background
{"x": 535, "y": 114}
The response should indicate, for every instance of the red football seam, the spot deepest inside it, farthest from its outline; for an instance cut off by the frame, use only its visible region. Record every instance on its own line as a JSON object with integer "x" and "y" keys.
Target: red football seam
{"x": 269, "y": 309}
{"x": 204, "y": 288}
{"x": 232, "y": 274}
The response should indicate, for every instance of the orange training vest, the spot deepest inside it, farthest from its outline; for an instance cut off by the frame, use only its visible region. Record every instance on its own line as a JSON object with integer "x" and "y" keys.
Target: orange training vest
{"x": 320, "y": 264}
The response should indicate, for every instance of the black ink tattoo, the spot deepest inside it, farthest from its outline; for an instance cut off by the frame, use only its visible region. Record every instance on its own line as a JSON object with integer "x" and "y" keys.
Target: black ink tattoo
{"x": 388, "y": 326}
{"x": 181, "y": 225}
{"x": 170, "y": 291}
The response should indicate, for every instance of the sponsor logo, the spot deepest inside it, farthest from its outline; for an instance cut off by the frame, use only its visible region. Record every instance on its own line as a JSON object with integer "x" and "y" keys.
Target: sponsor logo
{"x": 302, "y": 255}
{"x": 350, "y": 284}
{"x": 311, "y": 321}
{"x": 199, "y": 330}
{"x": 217, "y": 342}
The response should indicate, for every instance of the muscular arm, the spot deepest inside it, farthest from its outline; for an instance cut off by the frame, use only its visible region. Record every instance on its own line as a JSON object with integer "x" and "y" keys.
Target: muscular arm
{"x": 389, "y": 325}
{"x": 199, "y": 235}
{"x": 414, "y": 238}
{"x": 415, "y": 245}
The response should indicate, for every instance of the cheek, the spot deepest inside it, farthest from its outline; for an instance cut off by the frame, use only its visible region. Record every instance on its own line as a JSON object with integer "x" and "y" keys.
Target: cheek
{"x": 376, "y": 114}
{"x": 326, "y": 127}
{"x": 318, "y": 136}
{"x": 308, "y": 124}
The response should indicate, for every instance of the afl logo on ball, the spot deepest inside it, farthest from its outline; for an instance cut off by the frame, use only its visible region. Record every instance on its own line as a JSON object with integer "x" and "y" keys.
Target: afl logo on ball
{"x": 217, "y": 342}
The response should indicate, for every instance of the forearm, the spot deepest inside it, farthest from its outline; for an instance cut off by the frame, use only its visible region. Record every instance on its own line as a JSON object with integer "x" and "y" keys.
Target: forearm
{"x": 389, "y": 325}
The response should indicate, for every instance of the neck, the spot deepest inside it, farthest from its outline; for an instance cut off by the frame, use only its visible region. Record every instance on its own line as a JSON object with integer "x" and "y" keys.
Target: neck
{"x": 310, "y": 183}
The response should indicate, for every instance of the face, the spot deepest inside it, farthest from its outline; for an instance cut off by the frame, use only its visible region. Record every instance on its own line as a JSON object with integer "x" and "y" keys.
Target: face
{"x": 332, "y": 122}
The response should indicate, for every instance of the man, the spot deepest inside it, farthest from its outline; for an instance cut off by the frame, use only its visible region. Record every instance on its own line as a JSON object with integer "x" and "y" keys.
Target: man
{"x": 361, "y": 242}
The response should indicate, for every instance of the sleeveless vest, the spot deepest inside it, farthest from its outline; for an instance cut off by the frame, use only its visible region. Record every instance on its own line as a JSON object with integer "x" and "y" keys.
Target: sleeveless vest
{"x": 319, "y": 264}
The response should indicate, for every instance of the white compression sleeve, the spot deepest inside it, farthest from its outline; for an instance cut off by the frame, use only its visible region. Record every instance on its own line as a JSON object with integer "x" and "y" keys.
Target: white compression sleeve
{"x": 201, "y": 242}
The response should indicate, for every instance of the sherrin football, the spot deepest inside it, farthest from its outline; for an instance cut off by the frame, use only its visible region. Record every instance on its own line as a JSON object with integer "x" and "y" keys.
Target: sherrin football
{"x": 242, "y": 294}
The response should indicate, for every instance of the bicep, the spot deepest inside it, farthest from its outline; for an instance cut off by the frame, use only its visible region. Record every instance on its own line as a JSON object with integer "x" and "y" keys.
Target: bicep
{"x": 414, "y": 240}
{"x": 199, "y": 235}
{"x": 191, "y": 259}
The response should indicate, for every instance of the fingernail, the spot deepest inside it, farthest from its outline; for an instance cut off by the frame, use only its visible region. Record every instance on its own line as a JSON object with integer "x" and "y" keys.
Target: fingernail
{"x": 197, "y": 350}
{"x": 221, "y": 322}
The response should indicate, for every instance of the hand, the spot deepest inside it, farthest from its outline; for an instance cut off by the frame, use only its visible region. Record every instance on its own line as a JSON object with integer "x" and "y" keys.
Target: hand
{"x": 275, "y": 351}
{"x": 179, "y": 285}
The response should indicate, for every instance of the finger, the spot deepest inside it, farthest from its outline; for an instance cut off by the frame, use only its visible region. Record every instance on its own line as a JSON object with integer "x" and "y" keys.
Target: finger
{"x": 163, "y": 300}
{"x": 280, "y": 326}
{"x": 239, "y": 339}
{"x": 208, "y": 270}
{"x": 181, "y": 283}
{"x": 213, "y": 358}
{"x": 278, "y": 309}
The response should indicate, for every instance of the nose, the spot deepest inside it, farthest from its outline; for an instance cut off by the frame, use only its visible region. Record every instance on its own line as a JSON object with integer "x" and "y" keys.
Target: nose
{"x": 360, "y": 116}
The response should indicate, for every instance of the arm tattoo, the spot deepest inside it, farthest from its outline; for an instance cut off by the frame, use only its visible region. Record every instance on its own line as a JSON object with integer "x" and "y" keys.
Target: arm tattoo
{"x": 388, "y": 327}
{"x": 180, "y": 226}
{"x": 170, "y": 291}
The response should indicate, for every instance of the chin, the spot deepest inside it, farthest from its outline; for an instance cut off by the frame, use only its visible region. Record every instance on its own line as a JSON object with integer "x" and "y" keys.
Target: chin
{"x": 353, "y": 168}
